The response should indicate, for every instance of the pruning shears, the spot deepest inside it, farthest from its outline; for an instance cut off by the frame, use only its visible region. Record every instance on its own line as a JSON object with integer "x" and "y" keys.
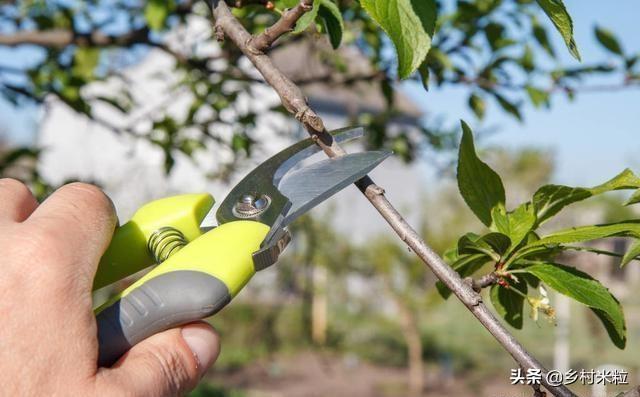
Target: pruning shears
{"x": 201, "y": 267}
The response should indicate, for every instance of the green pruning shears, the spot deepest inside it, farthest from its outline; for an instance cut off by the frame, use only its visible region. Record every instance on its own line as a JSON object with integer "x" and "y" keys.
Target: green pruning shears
{"x": 201, "y": 267}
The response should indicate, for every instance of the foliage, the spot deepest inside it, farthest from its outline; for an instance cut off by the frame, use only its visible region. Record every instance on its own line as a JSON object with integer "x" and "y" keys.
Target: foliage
{"x": 487, "y": 46}
{"x": 522, "y": 257}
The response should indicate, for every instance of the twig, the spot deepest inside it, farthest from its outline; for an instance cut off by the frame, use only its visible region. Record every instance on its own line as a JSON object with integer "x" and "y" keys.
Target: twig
{"x": 59, "y": 38}
{"x": 284, "y": 25}
{"x": 483, "y": 282}
{"x": 295, "y": 102}
{"x": 635, "y": 392}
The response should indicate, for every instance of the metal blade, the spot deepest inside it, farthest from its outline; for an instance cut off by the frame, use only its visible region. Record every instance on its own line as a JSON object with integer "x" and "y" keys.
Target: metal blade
{"x": 311, "y": 185}
{"x": 262, "y": 182}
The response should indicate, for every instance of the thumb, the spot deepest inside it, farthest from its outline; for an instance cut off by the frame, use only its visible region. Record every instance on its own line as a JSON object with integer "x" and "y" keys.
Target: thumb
{"x": 166, "y": 364}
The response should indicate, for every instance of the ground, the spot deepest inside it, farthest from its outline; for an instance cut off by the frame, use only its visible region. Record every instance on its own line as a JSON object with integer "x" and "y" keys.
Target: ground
{"x": 321, "y": 374}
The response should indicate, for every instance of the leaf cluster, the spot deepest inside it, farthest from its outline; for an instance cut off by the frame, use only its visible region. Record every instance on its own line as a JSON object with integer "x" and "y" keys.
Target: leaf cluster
{"x": 523, "y": 257}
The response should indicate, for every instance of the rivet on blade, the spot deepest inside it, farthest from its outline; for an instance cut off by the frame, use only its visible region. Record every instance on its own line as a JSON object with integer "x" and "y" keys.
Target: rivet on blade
{"x": 251, "y": 205}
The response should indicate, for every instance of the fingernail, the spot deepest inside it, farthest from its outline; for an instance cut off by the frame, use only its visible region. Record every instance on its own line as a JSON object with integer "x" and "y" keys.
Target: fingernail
{"x": 203, "y": 343}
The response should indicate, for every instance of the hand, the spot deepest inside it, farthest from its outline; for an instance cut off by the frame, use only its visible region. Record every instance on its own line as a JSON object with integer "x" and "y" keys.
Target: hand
{"x": 48, "y": 338}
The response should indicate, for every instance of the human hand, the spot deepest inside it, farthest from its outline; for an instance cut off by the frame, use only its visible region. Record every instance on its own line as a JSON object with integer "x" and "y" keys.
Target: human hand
{"x": 48, "y": 339}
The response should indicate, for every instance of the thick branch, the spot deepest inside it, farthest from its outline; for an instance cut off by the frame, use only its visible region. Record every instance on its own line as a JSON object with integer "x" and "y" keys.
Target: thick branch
{"x": 59, "y": 38}
{"x": 293, "y": 99}
{"x": 284, "y": 25}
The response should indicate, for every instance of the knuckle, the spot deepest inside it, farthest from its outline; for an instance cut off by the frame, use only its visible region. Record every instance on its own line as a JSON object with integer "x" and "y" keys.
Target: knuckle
{"x": 91, "y": 198}
{"x": 90, "y": 194}
{"x": 171, "y": 370}
{"x": 14, "y": 185}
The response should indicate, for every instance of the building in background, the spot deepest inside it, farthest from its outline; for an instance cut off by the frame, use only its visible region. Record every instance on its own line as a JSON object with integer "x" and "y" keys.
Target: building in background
{"x": 131, "y": 169}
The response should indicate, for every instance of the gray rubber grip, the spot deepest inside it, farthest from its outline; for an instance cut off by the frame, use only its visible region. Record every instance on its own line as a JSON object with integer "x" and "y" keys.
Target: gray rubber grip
{"x": 164, "y": 302}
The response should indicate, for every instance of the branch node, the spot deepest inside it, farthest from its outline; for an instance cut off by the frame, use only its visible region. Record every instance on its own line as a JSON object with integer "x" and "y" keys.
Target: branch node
{"x": 377, "y": 190}
{"x": 219, "y": 33}
{"x": 483, "y": 282}
{"x": 307, "y": 116}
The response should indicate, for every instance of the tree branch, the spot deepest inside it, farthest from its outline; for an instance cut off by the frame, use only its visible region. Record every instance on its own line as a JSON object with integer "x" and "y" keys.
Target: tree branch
{"x": 483, "y": 282}
{"x": 295, "y": 102}
{"x": 60, "y": 38}
{"x": 284, "y": 25}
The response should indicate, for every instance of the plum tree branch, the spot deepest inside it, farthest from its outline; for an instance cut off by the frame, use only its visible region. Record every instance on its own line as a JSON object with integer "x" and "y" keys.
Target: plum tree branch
{"x": 60, "y": 38}
{"x": 226, "y": 24}
{"x": 284, "y": 25}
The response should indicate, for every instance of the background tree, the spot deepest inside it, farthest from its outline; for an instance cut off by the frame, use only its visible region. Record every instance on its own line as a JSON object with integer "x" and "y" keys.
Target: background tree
{"x": 483, "y": 45}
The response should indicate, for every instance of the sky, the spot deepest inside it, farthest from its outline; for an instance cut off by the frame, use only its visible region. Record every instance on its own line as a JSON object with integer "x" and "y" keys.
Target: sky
{"x": 593, "y": 138}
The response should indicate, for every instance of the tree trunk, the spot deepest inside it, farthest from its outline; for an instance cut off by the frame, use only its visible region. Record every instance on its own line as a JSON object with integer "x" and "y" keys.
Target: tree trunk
{"x": 319, "y": 306}
{"x": 411, "y": 333}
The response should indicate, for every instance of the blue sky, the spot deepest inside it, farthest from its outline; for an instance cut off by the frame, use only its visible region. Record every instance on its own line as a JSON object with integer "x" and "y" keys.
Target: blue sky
{"x": 593, "y": 137}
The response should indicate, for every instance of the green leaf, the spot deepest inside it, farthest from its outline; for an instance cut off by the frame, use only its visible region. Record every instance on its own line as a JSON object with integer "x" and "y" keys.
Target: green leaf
{"x": 557, "y": 12}
{"x": 156, "y": 13}
{"x": 527, "y": 61}
{"x": 623, "y": 181}
{"x": 287, "y": 3}
{"x": 410, "y": 24}
{"x": 588, "y": 233}
{"x": 537, "y": 96}
{"x": 491, "y": 244}
{"x": 85, "y": 60}
{"x": 588, "y": 291}
{"x": 588, "y": 249}
{"x": 540, "y": 34}
{"x": 608, "y": 40}
{"x": 632, "y": 253}
{"x": 551, "y": 199}
{"x": 509, "y": 304}
{"x": 423, "y": 70}
{"x": 333, "y": 22}
{"x": 634, "y": 199}
{"x": 241, "y": 142}
{"x": 465, "y": 265}
{"x": 508, "y": 106}
{"x": 480, "y": 186}
{"x": 307, "y": 18}
{"x": 477, "y": 104}
{"x": 516, "y": 224}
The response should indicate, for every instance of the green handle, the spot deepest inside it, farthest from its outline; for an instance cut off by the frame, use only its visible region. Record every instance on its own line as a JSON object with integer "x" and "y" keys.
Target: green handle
{"x": 192, "y": 284}
{"x": 167, "y": 301}
{"x": 128, "y": 252}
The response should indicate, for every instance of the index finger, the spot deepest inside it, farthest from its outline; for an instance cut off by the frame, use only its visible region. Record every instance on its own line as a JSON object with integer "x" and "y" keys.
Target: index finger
{"x": 16, "y": 201}
{"x": 78, "y": 221}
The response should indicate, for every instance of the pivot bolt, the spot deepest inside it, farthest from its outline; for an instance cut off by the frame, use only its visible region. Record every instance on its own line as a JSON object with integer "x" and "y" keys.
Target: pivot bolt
{"x": 251, "y": 205}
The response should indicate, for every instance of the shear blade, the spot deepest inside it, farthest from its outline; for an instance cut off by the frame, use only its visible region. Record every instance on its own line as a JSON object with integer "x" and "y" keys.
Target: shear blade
{"x": 291, "y": 191}
{"x": 311, "y": 185}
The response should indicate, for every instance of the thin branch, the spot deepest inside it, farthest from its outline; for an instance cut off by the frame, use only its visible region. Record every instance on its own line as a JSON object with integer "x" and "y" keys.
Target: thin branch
{"x": 59, "y": 38}
{"x": 555, "y": 87}
{"x": 635, "y": 392}
{"x": 295, "y": 102}
{"x": 483, "y": 282}
{"x": 21, "y": 91}
{"x": 285, "y": 24}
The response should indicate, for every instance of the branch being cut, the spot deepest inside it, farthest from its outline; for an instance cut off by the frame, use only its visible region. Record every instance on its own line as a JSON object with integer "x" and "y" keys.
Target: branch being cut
{"x": 294, "y": 101}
